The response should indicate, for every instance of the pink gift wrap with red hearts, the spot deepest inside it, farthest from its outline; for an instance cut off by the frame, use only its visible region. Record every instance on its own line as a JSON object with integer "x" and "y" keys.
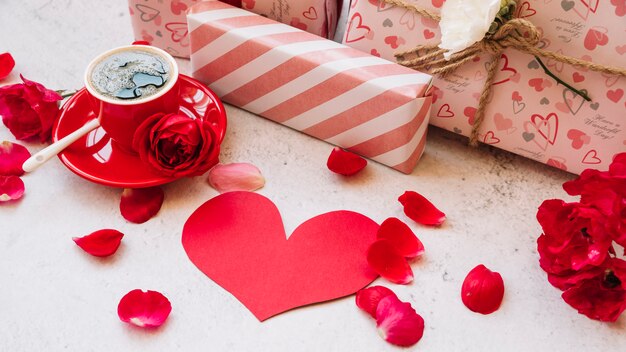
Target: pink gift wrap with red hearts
{"x": 163, "y": 23}
{"x": 360, "y": 102}
{"x": 529, "y": 113}
{"x": 314, "y": 16}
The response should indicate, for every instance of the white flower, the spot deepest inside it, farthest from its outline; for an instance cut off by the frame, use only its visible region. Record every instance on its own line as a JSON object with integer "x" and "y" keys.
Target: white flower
{"x": 465, "y": 22}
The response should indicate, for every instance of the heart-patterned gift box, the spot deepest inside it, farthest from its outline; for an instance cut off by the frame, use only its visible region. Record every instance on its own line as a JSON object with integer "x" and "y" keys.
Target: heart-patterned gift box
{"x": 529, "y": 113}
{"x": 163, "y": 23}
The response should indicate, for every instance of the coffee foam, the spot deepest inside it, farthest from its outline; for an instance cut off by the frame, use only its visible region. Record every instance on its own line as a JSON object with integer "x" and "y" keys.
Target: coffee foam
{"x": 115, "y": 73}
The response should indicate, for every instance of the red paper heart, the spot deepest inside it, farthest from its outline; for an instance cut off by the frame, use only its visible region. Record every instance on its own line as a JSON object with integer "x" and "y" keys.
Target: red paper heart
{"x": 238, "y": 240}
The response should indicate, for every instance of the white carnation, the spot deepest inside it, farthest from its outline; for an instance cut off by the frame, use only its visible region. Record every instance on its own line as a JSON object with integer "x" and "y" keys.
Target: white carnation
{"x": 465, "y": 22}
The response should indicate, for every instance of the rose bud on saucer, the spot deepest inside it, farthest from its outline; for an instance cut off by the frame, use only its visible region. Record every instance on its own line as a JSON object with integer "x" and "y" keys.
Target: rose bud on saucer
{"x": 177, "y": 145}
{"x": 28, "y": 109}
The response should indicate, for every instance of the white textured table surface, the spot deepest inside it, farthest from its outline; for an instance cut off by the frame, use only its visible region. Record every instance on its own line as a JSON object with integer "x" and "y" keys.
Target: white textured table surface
{"x": 54, "y": 297}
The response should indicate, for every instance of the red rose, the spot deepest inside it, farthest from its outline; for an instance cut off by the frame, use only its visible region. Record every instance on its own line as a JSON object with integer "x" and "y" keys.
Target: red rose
{"x": 605, "y": 191}
{"x": 177, "y": 145}
{"x": 602, "y": 297}
{"x": 573, "y": 238}
{"x": 29, "y": 109}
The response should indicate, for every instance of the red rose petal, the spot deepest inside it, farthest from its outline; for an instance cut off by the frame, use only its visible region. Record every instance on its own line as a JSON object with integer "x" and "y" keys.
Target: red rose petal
{"x": 398, "y": 323}
{"x": 12, "y": 156}
{"x": 401, "y": 237}
{"x": 101, "y": 243}
{"x": 141, "y": 204}
{"x": 367, "y": 299}
{"x": 145, "y": 309}
{"x": 6, "y": 65}
{"x": 420, "y": 210}
{"x": 482, "y": 290}
{"x": 388, "y": 263}
{"x": 345, "y": 163}
{"x": 11, "y": 188}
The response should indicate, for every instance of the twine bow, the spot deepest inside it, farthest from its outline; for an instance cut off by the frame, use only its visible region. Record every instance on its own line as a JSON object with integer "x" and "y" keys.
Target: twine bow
{"x": 516, "y": 33}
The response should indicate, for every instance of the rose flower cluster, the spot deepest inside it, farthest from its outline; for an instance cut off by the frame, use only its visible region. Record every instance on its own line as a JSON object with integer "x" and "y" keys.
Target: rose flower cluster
{"x": 582, "y": 242}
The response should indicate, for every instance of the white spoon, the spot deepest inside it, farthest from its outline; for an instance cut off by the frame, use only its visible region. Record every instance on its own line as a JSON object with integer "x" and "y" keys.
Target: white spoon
{"x": 55, "y": 148}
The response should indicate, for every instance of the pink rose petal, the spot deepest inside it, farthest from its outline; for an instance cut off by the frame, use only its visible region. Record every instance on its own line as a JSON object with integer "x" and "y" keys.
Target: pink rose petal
{"x": 141, "y": 204}
{"x": 401, "y": 237}
{"x": 367, "y": 299}
{"x": 236, "y": 177}
{"x": 344, "y": 162}
{"x": 11, "y": 188}
{"x": 101, "y": 243}
{"x": 398, "y": 323}
{"x": 6, "y": 65}
{"x": 12, "y": 156}
{"x": 482, "y": 290}
{"x": 388, "y": 263}
{"x": 420, "y": 210}
{"x": 144, "y": 309}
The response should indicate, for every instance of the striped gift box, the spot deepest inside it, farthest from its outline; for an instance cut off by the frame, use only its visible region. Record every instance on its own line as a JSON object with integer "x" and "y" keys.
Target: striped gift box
{"x": 335, "y": 93}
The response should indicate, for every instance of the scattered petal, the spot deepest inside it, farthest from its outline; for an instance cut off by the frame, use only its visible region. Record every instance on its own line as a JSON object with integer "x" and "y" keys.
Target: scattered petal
{"x": 236, "y": 177}
{"x": 420, "y": 210}
{"x": 398, "y": 323}
{"x": 145, "y": 309}
{"x": 344, "y": 162}
{"x": 11, "y": 188}
{"x": 388, "y": 263}
{"x": 367, "y": 299}
{"x": 6, "y": 65}
{"x": 482, "y": 290}
{"x": 12, "y": 156}
{"x": 141, "y": 204}
{"x": 401, "y": 237}
{"x": 101, "y": 243}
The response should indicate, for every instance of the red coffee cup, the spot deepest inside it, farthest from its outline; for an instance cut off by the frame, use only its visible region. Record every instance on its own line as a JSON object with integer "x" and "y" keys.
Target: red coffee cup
{"x": 120, "y": 118}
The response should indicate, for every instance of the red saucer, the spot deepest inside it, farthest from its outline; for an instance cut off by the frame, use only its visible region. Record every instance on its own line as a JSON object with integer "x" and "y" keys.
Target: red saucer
{"x": 96, "y": 158}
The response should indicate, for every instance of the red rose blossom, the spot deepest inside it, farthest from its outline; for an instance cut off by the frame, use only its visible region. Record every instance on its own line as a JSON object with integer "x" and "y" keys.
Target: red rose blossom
{"x": 29, "y": 109}
{"x": 602, "y": 297}
{"x": 605, "y": 191}
{"x": 177, "y": 145}
{"x": 576, "y": 247}
{"x": 573, "y": 237}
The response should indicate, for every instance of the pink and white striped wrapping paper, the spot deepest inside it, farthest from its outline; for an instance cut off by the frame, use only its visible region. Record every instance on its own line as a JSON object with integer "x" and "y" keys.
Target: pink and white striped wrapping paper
{"x": 365, "y": 104}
